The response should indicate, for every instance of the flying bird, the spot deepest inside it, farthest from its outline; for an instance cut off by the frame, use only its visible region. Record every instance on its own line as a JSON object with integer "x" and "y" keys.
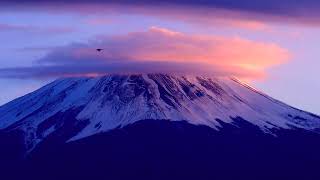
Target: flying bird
{"x": 99, "y": 50}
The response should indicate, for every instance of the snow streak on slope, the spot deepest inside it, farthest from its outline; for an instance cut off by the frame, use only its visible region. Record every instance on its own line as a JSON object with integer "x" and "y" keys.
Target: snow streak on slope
{"x": 108, "y": 102}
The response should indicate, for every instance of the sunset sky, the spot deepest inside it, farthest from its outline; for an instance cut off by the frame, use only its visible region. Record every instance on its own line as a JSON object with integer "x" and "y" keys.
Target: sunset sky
{"x": 273, "y": 45}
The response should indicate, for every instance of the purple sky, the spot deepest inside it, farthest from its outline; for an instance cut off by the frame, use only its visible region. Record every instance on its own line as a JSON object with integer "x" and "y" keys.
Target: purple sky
{"x": 273, "y": 44}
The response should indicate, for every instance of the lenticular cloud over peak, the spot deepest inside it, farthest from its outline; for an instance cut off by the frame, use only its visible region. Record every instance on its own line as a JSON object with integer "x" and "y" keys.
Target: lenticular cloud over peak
{"x": 157, "y": 50}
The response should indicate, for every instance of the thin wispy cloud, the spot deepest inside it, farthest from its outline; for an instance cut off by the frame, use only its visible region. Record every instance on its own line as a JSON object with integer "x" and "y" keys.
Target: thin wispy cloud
{"x": 35, "y": 29}
{"x": 99, "y": 21}
{"x": 253, "y": 13}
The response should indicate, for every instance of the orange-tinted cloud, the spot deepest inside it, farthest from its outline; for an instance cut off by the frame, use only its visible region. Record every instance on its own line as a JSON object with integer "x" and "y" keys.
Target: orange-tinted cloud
{"x": 159, "y": 44}
{"x": 164, "y": 50}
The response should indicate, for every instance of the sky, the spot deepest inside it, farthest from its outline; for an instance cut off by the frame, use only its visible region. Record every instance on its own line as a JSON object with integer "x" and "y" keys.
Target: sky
{"x": 272, "y": 45}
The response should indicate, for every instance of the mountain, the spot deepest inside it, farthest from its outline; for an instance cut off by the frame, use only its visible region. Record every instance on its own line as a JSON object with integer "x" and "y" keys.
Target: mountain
{"x": 156, "y": 126}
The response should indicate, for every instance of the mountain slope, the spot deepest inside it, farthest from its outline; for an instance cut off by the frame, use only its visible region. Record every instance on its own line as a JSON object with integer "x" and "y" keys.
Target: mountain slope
{"x": 155, "y": 150}
{"x": 74, "y": 108}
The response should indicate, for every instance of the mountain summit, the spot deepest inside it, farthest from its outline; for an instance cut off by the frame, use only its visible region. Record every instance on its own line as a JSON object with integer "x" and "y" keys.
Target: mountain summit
{"x": 72, "y": 110}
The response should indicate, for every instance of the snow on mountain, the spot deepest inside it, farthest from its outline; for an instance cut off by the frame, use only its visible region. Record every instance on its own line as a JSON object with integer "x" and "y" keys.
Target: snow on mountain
{"x": 104, "y": 103}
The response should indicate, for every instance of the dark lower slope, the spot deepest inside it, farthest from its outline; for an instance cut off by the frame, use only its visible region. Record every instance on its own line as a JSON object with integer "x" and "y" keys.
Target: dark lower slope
{"x": 153, "y": 149}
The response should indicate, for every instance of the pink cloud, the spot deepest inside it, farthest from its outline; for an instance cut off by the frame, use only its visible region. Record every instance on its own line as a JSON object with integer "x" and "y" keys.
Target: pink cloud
{"x": 161, "y": 50}
{"x": 163, "y": 44}
{"x": 249, "y": 24}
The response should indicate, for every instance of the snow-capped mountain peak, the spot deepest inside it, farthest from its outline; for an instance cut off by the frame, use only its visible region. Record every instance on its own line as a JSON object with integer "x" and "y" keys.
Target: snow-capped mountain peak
{"x": 87, "y": 106}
